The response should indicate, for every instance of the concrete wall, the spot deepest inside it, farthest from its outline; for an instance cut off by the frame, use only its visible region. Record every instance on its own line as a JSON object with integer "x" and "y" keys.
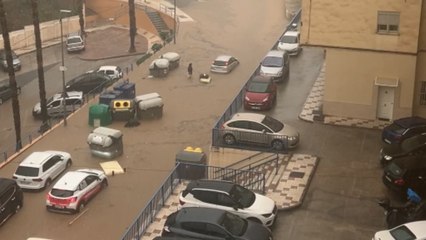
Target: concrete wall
{"x": 348, "y": 23}
{"x": 350, "y": 89}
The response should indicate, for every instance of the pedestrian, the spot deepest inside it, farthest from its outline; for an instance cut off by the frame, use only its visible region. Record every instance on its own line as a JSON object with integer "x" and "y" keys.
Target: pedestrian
{"x": 190, "y": 70}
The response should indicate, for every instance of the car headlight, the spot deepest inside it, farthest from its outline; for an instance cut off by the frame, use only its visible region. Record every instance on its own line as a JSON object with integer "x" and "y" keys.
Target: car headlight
{"x": 292, "y": 138}
{"x": 387, "y": 157}
{"x": 280, "y": 73}
{"x": 261, "y": 72}
{"x": 247, "y": 98}
{"x": 268, "y": 215}
{"x": 265, "y": 99}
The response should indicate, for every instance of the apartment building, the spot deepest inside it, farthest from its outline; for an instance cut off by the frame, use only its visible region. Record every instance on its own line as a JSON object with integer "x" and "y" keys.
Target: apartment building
{"x": 375, "y": 55}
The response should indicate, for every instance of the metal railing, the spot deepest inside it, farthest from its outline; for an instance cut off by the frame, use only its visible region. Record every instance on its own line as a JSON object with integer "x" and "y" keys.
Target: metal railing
{"x": 254, "y": 181}
{"x": 260, "y": 162}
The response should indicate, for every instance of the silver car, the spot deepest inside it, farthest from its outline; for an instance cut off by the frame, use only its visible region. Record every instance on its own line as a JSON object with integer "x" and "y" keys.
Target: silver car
{"x": 224, "y": 64}
{"x": 276, "y": 64}
{"x": 259, "y": 129}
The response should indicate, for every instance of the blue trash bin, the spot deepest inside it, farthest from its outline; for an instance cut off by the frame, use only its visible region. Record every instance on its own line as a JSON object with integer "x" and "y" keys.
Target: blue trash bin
{"x": 127, "y": 88}
{"x": 108, "y": 96}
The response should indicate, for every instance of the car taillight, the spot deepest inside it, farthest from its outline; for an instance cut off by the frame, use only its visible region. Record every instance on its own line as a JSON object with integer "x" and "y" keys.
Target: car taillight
{"x": 399, "y": 182}
{"x": 72, "y": 200}
{"x": 37, "y": 180}
{"x": 181, "y": 202}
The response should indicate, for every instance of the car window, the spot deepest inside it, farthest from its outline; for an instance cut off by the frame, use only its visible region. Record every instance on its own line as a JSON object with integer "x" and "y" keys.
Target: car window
{"x": 205, "y": 196}
{"x": 239, "y": 124}
{"x": 197, "y": 227}
{"x": 82, "y": 185}
{"x": 413, "y": 143}
{"x": 258, "y": 87}
{"x": 242, "y": 195}
{"x": 48, "y": 164}
{"x": 55, "y": 103}
{"x": 109, "y": 72}
{"x": 257, "y": 127}
{"x": 402, "y": 232}
{"x": 7, "y": 195}
{"x": 225, "y": 200}
{"x": 90, "y": 179}
{"x": 61, "y": 193}
{"x": 234, "y": 224}
{"x": 27, "y": 171}
{"x": 289, "y": 39}
{"x": 72, "y": 101}
{"x": 273, "y": 124}
{"x": 216, "y": 231}
{"x": 273, "y": 62}
{"x": 220, "y": 63}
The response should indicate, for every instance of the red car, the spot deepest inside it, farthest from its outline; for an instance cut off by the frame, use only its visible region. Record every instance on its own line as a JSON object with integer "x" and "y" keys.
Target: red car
{"x": 261, "y": 93}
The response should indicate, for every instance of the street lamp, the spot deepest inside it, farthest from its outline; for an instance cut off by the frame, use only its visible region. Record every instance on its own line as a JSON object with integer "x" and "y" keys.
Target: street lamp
{"x": 62, "y": 68}
{"x": 174, "y": 23}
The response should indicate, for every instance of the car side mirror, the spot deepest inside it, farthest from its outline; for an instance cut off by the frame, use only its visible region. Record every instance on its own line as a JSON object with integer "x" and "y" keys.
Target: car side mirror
{"x": 236, "y": 207}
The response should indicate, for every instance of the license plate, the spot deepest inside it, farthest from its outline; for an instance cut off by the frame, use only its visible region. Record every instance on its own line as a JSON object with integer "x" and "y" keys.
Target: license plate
{"x": 257, "y": 108}
{"x": 59, "y": 206}
{"x": 24, "y": 182}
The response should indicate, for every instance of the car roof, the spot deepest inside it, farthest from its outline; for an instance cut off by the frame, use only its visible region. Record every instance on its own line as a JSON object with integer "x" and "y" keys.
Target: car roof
{"x": 71, "y": 180}
{"x": 275, "y": 53}
{"x": 70, "y": 94}
{"x": 223, "y": 58}
{"x": 248, "y": 116}
{"x": 410, "y": 121}
{"x": 36, "y": 158}
{"x": 223, "y": 186}
{"x": 107, "y": 68}
{"x": 208, "y": 215}
{"x": 5, "y": 182}
{"x": 291, "y": 33}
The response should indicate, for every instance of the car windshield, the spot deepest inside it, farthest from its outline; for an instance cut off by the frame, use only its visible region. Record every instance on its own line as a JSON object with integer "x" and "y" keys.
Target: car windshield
{"x": 61, "y": 193}
{"x": 396, "y": 128}
{"x": 27, "y": 171}
{"x": 220, "y": 63}
{"x": 288, "y": 39}
{"x": 402, "y": 233}
{"x": 272, "y": 62}
{"x": 74, "y": 40}
{"x": 258, "y": 87}
{"x": 413, "y": 143}
{"x": 243, "y": 196}
{"x": 273, "y": 124}
{"x": 234, "y": 224}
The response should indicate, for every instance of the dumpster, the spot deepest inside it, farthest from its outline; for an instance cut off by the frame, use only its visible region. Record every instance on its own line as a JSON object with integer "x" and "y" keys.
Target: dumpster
{"x": 122, "y": 109}
{"x": 105, "y": 142}
{"x": 159, "y": 67}
{"x": 149, "y": 106}
{"x": 173, "y": 58}
{"x": 127, "y": 88}
{"x": 99, "y": 115}
{"x": 108, "y": 96}
{"x": 192, "y": 164}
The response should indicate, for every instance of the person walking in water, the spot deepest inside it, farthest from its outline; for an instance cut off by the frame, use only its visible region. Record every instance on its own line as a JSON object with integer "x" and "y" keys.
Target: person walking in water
{"x": 190, "y": 70}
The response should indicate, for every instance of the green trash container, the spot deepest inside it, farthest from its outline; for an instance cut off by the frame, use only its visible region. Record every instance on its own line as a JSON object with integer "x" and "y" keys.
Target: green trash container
{"x": 100, "y": 115}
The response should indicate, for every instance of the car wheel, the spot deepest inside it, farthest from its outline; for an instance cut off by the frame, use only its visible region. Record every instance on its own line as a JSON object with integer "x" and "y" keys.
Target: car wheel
{"x": 277, "y": 145}
{"x": 47, "y": 183}
{"x": 81, "y": 206}
{"x": 229, "y": 139}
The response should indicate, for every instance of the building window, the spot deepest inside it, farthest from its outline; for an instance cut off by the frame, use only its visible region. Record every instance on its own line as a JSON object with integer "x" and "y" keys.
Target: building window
{"x": 423, "y": 93}
{"x": 388, "y": 22}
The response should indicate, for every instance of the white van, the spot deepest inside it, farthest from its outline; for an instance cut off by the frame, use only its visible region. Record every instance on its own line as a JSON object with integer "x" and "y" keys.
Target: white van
{"x": 55, "y": 107}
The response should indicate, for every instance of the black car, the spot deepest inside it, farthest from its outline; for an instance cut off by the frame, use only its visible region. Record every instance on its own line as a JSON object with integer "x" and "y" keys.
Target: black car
{"x": 403, "y": 128}
{"x": 406, "y": 172}
{"x": 11, "y": 199}
{"x": 415, "y": 145}
{"x": 6, "y": 91}
{"x": 15, "y": 60}
{"x": 213, "y": 224}
{"x": 92, "y": 82}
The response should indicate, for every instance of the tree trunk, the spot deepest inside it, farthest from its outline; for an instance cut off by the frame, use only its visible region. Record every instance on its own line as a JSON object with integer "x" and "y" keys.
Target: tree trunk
{"x": 12, "y": 80}
{"x": 132, "y": 21}
{"x": 81, "y": 17}
{"x": 40, "y": 70}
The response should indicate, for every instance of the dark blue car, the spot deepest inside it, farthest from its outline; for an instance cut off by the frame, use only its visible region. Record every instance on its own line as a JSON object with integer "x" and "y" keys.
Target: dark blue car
{"x": 403, "y": 128}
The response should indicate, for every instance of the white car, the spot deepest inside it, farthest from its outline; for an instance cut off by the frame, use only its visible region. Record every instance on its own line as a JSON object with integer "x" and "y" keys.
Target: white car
{"x": 75, "y": 189}
{"x": 39, "y": 169}
{"x": 230, "y": 197}
{"x": 411, "y": 230}
{"x": 290, "y": 42}
{"x": 114, "y": 72}
{"x": 224, "y": 64}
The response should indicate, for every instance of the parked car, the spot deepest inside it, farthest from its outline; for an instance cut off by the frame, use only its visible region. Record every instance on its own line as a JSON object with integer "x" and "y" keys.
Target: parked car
{"x": 230, "y": 197}
{"x": 75, "y": 42}
{"x": 411, "y": 230}
{"x": 290, "y": 42}
{"x": 406, "y": 172}
{"x": 224, "y": 64}
{"x": 11, "y": 199}
{"x": 114, "y": 72}
{"x": 6, "y": 91}
{"x": 75, "y": 189}
{"x": 259, "y": 129}
{"x": 276, "y": 64}
{"x": 15, "y": 60}
{"x": 39, "y": 169}
{"x": 261, "y": 93}
{"x": 403, "y": 128}
{"x": 55, "y": 104}
{"x": 415, "y": 145}
{"x": 89, "y": 82}
{"x": 213, "y": 224}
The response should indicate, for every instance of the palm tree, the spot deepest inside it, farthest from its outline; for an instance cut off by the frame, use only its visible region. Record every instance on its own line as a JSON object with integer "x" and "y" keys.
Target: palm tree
{"x": 132, "y": 23}
{"x": 40, "y": 71}
{"x": 12, "y": 80}
{"x": 81, "y": 16}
